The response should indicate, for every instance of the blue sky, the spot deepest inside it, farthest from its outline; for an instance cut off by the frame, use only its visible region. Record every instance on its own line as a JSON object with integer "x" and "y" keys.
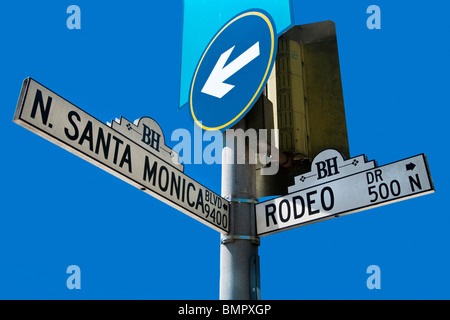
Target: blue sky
{"x": 58, "y": 210}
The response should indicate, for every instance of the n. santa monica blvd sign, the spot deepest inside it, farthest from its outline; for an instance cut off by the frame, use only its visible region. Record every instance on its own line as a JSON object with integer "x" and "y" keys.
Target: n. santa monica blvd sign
{"x": 337, "y": 187}
{"x": 134, "y": 152}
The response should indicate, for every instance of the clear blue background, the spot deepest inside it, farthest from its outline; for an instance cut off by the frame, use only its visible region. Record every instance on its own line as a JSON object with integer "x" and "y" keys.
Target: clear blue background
{"x": 58, "y": 210}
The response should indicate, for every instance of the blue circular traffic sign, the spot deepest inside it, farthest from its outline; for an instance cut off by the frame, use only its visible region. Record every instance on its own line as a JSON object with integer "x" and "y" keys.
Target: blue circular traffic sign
{"x": 233, "y": 71}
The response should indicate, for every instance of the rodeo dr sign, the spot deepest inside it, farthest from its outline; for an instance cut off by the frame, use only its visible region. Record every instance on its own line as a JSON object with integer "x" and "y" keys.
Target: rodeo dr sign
{"x": 337, "y": 187}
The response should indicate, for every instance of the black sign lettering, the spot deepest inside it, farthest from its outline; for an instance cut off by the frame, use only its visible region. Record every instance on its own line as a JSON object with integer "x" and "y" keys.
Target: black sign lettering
{"x": 271, "y": 209}
{"x": 45, "y": 110}
{"x": 287, "y": 211}
{"x": 126, "y": 158}
{"x": 302, "y": 205}
{"x": 163, "y": 178}
{"x": 327, "y": 168}
{"x": 310, "y": 202}
{"x": 325, "y": 206}
{"x": 189, "y": 187}
{"x": 415, "y": 182}
{"x": 87, "y": 135}
{"x": 150, "y": 173}
{"x": 70, "y": 116}
{"x": 103, "y": 142}
{"x": 200, "y": 201}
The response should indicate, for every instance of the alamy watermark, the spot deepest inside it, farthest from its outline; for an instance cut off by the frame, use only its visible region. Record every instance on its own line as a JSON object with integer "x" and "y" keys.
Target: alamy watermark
{"x": 74, "y": 280}
{"x": 74, "y": 20}
{"x": 235, "y": 146}
{"x": 374, "y": 280}
{"x": 374, "y": 20}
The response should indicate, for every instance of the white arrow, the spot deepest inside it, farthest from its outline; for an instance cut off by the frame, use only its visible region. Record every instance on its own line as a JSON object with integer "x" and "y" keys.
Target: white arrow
{"x": 215, "y": 85}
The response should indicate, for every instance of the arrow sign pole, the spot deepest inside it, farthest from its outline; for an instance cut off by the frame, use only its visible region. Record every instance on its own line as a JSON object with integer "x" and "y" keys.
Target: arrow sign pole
{"x": 239, "y": 259}
{"x": 215, "y": 85}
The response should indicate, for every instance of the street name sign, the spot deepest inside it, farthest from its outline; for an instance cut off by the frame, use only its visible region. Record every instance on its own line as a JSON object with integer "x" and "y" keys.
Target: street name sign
{"x": 337, "y": 187}
{"x": 134, "y": 152}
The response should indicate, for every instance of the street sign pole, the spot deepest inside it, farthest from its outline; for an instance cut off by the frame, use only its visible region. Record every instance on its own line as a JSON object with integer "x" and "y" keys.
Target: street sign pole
{"x": 239, "y": 260}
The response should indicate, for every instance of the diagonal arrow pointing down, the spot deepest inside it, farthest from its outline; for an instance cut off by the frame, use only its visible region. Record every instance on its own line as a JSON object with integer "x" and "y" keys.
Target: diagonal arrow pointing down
{"x": 215, "y": 85}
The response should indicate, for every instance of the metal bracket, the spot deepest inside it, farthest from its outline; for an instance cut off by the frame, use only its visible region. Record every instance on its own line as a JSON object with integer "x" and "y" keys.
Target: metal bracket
{"x": 255, "y": 282}
{"x": 242, "y": 200}
{"x": 230, "y": 238}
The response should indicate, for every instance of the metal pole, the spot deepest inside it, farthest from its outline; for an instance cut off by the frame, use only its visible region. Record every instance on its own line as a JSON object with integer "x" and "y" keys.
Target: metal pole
{"x": 239, "y": 260}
